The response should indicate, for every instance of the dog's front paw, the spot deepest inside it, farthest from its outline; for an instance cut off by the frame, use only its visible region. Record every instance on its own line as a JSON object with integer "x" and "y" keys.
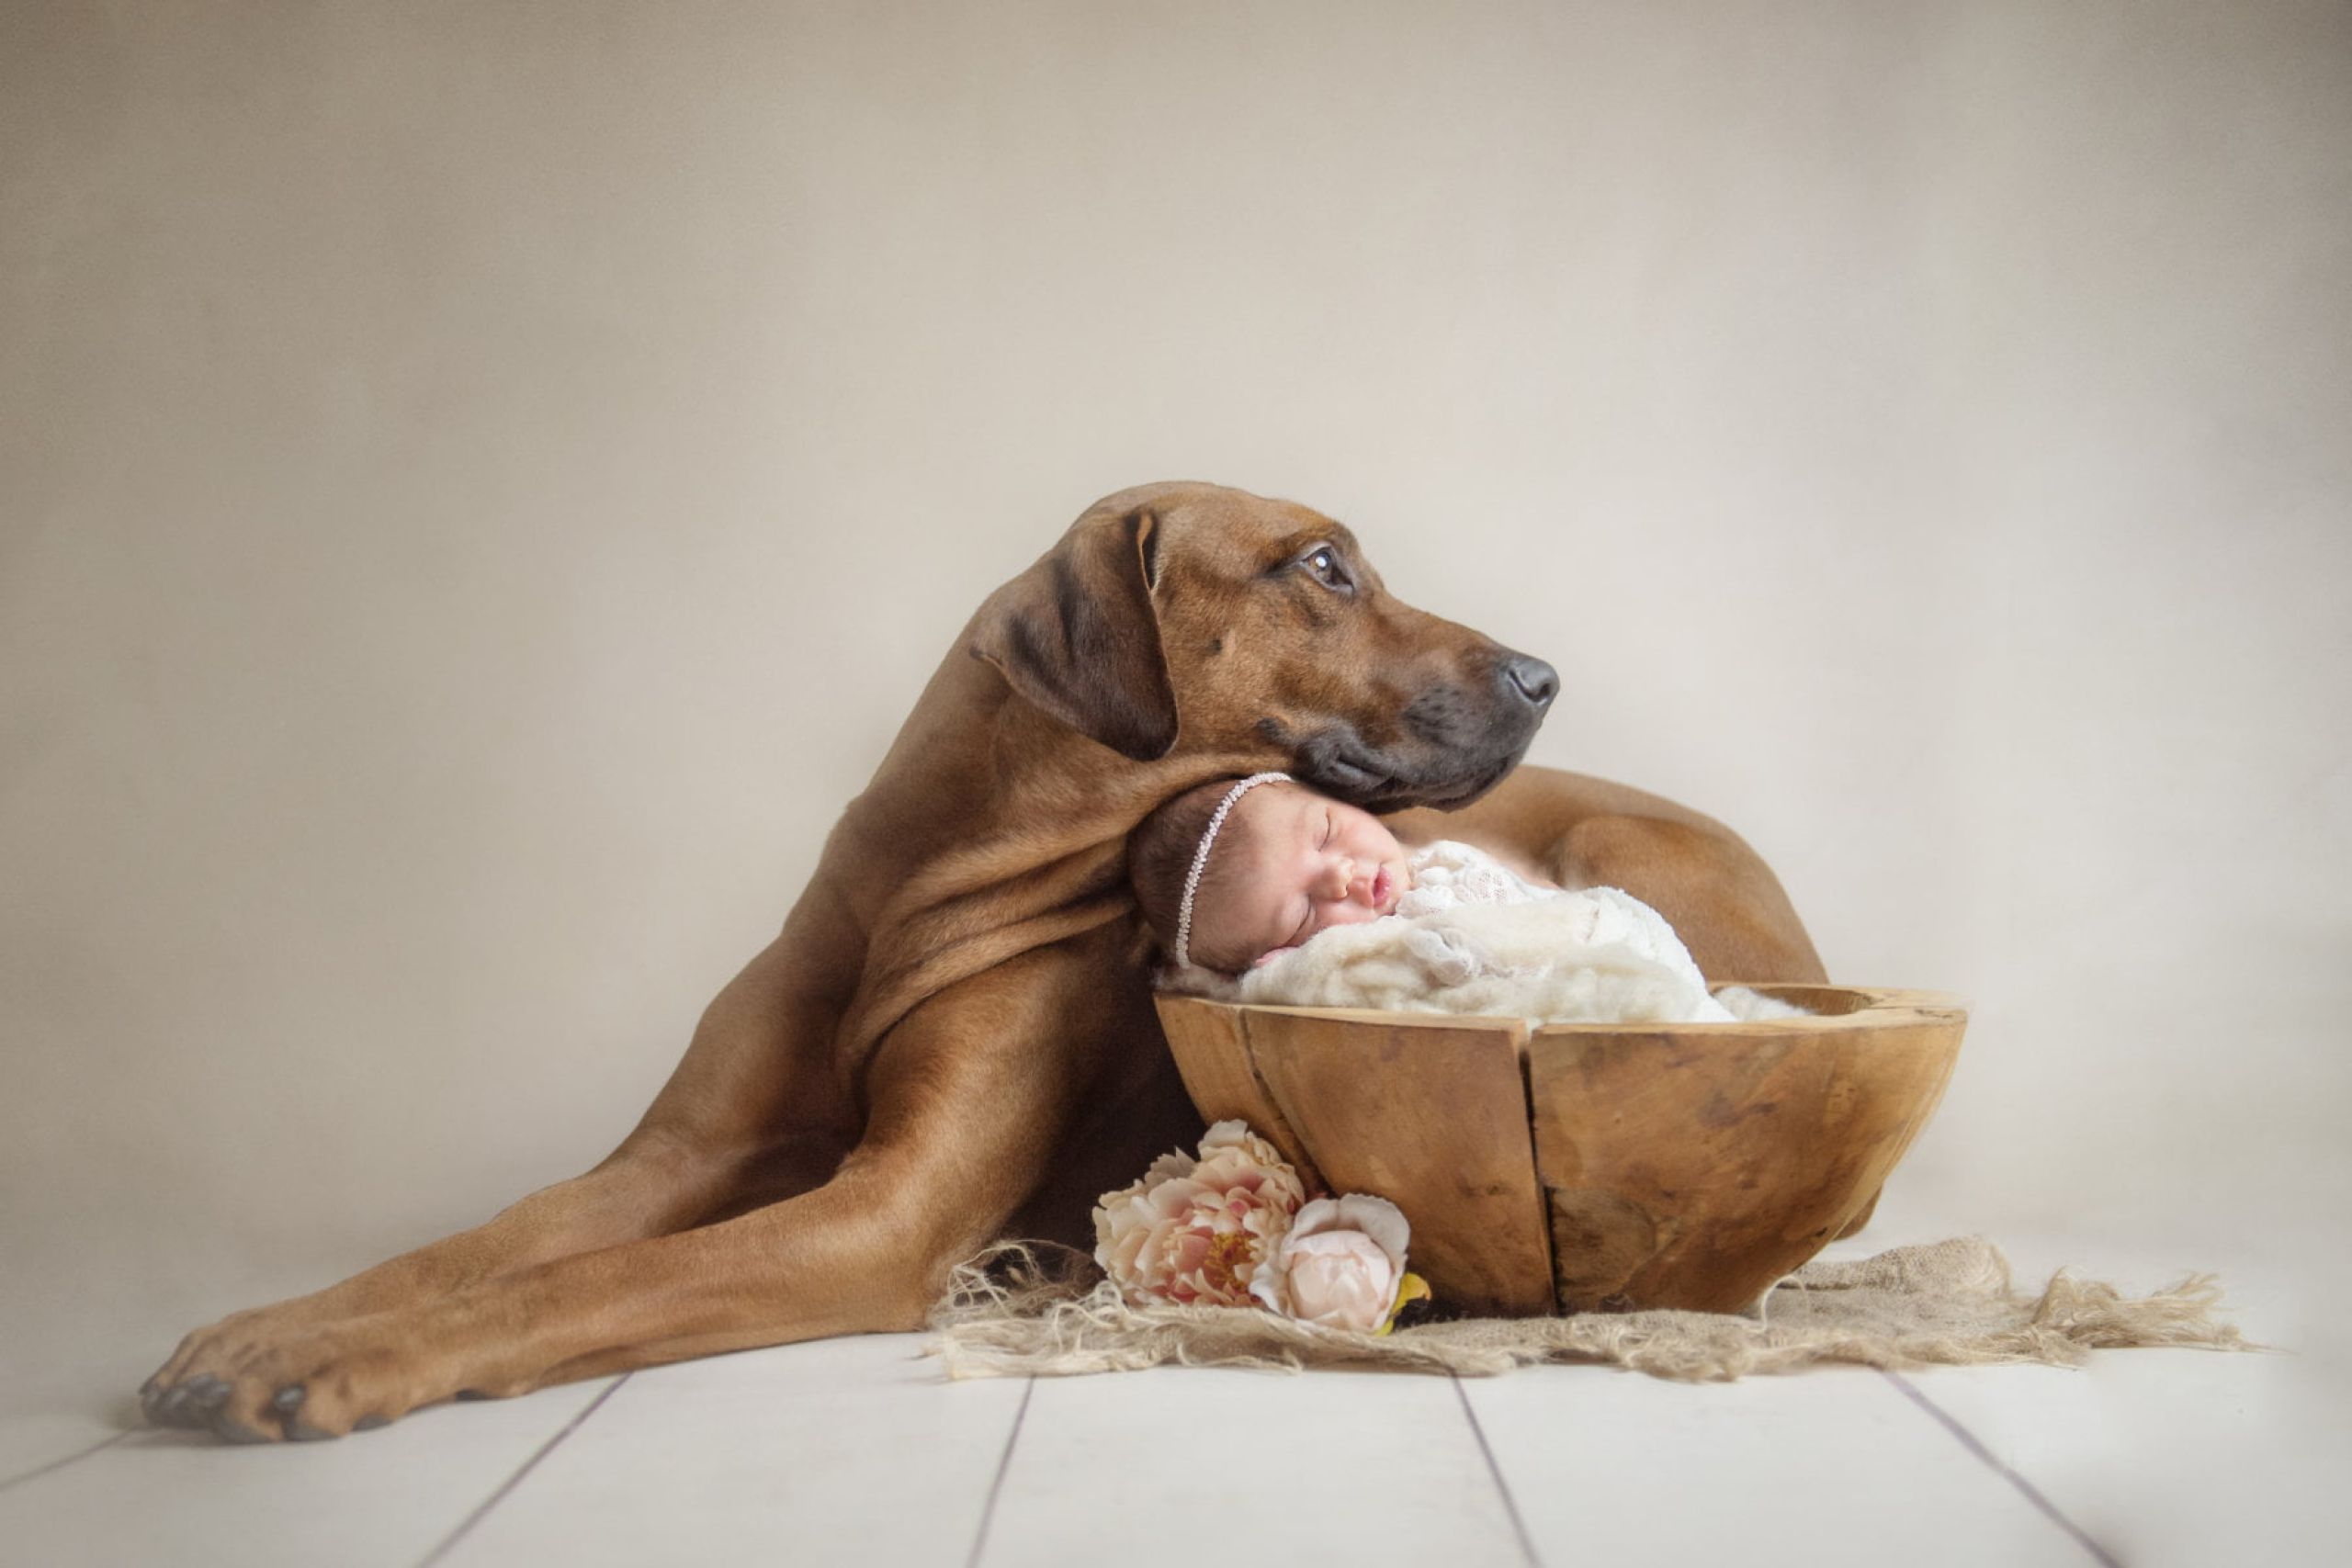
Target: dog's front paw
{"x": 256, "y": 1377}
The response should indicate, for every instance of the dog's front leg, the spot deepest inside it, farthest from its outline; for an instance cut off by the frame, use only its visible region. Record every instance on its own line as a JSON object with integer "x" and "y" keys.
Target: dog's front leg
{"x": 754, "y": 1105}
{"x": 968, "y": 1093}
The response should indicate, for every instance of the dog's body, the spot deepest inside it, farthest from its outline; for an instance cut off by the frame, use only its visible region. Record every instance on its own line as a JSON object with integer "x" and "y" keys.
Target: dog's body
{"x": 952, "y": 1038}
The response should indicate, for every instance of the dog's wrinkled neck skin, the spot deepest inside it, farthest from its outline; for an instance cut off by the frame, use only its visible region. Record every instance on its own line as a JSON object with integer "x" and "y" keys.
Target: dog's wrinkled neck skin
{"x": 1005, "y": 833}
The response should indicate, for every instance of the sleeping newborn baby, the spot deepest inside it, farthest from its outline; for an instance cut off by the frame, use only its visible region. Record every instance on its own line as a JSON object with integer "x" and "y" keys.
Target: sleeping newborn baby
{"x": 1262, "y": 890}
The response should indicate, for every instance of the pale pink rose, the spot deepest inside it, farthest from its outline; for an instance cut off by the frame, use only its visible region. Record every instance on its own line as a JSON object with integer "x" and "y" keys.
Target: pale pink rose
{"x": 1340, "y": 1265}
{"x": 1195, "y": 1231}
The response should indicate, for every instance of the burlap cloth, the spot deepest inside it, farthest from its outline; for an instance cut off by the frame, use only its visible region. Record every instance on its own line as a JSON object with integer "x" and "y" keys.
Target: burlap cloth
{"x": 1024, "y": 1310}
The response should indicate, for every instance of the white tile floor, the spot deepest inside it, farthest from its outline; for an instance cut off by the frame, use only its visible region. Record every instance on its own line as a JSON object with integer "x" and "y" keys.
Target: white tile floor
{"x": 855, "y": 1451}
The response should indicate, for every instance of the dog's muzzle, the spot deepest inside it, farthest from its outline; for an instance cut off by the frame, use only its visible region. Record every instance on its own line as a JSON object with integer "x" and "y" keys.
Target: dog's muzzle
{"x": 1454, "y": 748}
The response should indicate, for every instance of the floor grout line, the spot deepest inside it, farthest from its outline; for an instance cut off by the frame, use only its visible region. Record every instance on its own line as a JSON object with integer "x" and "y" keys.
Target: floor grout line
{"x": 2027, "y": 1489}
{"x": 1511, "y": 1504}
{"x": 1003, "y": 1463}
{"x": 56, "y": 1464}
{"x": 449, "y": 1542}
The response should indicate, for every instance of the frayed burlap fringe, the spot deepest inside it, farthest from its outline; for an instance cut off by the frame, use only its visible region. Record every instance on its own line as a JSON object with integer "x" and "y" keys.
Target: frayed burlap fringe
{"x": 1024, "y": 1309}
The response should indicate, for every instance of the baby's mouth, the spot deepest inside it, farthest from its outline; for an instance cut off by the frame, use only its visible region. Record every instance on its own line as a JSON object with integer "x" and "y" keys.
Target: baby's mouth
{"x": 1384, "y": 890}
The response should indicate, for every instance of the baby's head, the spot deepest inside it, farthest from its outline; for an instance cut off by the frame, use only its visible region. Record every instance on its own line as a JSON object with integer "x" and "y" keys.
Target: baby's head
{"x": 1284, "y": 863}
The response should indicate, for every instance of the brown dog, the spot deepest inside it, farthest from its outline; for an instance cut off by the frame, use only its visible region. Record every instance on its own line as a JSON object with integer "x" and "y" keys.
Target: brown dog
{"x": 952, "y": 1038}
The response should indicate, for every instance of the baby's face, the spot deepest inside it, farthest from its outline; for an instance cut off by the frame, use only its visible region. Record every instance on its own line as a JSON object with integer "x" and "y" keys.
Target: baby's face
{"x": 1305, "y": 863}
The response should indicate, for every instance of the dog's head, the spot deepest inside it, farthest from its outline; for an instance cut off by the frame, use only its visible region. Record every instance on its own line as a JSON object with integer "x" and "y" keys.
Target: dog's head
{"x": 1194, "y": 618}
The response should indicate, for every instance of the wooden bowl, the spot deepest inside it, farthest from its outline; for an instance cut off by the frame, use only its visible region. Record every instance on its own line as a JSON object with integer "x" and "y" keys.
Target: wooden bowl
{"x": 1581, "y": 1167}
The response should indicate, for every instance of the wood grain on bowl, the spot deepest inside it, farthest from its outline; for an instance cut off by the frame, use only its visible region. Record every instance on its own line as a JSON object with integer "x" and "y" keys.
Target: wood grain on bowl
{"x": 1431, "y": 1107}
{"x": 1588, "y": 1166}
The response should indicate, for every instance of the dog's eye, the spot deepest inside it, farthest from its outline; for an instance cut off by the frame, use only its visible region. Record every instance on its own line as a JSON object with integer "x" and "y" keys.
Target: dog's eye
{"x": 1324, "y": 562}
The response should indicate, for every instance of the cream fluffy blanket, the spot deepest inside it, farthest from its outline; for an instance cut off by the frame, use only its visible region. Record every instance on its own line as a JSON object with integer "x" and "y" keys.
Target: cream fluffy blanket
{"x": 1472, "y": 938}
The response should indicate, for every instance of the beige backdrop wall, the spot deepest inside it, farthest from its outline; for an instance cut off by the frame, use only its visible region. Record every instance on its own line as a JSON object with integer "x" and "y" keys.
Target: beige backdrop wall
{"x": 481, "y": 482}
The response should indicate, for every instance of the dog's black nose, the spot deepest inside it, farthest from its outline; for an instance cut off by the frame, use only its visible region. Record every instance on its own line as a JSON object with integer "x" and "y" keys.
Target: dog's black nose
{"x": 1533, "y": 679}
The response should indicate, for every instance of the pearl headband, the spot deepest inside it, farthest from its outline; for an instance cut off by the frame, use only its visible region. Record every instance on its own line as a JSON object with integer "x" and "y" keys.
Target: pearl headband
{"x": 1201, "y": 860}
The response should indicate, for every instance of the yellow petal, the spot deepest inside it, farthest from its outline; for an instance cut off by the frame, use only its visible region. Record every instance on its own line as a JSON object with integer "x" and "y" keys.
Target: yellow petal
{"x": 1412, "y": 1288}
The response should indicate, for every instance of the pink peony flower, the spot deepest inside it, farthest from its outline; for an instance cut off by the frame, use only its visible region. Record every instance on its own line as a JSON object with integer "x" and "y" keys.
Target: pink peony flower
{"x": 1194, "y": 1231}
{"x": 1342, "y": 1264}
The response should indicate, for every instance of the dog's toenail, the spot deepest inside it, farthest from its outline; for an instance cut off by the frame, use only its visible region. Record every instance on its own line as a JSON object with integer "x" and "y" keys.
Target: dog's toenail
{"x": 228, "y": 1429}
{"x": 188, "y": 1403}
{"x": 286, "y": 1400}
{"x": 369, "y": 1423}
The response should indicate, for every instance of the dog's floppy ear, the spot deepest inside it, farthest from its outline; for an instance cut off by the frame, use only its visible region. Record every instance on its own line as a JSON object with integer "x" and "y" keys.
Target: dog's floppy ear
{"x": 1077, "y": 635}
